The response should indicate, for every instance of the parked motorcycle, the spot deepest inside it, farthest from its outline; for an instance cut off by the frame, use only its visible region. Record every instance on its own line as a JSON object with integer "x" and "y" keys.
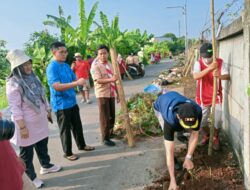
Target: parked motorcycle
{"x": 136, "y": 70}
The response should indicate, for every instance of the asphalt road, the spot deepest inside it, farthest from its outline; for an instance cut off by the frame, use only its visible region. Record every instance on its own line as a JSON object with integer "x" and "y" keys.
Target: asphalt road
{"x": 106, "y": 168}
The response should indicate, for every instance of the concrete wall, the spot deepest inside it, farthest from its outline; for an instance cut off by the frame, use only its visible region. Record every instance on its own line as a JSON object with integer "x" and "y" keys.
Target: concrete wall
{"x": 231, "y": 51}
{"x": 233, "y": 43}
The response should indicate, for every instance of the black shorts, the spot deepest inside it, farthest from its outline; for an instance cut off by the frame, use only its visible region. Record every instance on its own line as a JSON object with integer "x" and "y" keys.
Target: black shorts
{"x": 169, "y": 131}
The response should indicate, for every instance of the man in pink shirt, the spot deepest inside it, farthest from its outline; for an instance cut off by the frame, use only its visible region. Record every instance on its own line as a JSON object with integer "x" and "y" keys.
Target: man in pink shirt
{"x": 105, "y": 90}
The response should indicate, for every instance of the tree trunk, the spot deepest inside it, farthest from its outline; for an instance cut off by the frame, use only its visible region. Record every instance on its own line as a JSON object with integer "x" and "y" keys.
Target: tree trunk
{"x": 124, "y": 108}
{"x": 210, "y": 146}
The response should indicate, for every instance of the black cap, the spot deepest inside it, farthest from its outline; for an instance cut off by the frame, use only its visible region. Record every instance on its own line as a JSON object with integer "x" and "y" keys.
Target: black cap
{"x": 188, "y": 116}
{"x": 206, "y": 50}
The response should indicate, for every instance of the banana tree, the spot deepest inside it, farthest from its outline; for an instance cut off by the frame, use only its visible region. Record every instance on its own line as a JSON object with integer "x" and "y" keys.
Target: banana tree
{"x": 60, "y": 22}
{"x": 112, "y": 36}
{"x": 74, "y": 37}
{"x": 40, "y": 61}
{"x": 83, "y": 30}
{"x": 79, "y": 38}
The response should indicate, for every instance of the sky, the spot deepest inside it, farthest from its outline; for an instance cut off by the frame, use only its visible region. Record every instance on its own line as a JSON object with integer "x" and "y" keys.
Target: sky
{"x": 20, "y": 18}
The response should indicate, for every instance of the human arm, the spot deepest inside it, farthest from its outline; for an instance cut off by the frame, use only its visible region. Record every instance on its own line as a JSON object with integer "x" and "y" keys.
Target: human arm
{"x": 224, "y": 73}
{"x": 54, "y": 79}
{"x": 98, "y": 76}
{"x": 107, "y": 80}
{"x": 169, "y": 147}
{"x": 198, "y": 74}
{"x": 222, "y": 77}
{"x": 15, "y": 103}
{"x": 193, "y": 140}
{"x": 65, "y": 86}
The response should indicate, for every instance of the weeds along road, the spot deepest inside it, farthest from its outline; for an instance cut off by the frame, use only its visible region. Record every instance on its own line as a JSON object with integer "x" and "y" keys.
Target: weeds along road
{"x": 106, "y": 168}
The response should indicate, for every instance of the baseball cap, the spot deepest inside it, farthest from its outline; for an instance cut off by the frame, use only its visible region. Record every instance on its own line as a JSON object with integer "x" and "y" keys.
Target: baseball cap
{"x": 206, "y": 50}
{"x": 188, "y": 116}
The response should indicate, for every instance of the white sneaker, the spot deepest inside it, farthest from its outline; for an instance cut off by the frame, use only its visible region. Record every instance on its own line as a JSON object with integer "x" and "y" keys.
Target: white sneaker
{"x": 52, "y": 169}
{"x": 83, "y": 101}
{"x": 89, "y": 102}
{"x": 37, "y": 182}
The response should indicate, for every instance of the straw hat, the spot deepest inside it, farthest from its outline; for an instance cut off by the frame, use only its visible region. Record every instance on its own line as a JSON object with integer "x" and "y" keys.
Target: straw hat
{"x": 16, "y": 58}
{"x": 78, "y": 55}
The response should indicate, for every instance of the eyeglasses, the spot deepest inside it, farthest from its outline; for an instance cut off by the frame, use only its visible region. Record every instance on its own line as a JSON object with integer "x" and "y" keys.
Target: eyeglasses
{"x": 63, "y": 52}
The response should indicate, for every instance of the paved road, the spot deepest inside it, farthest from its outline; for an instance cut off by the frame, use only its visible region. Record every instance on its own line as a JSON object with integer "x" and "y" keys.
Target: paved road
{"x": 115, "y": 168}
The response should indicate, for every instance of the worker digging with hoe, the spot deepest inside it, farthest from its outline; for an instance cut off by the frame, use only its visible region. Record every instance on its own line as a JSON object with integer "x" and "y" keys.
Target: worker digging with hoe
{"x": 176, "y": 113}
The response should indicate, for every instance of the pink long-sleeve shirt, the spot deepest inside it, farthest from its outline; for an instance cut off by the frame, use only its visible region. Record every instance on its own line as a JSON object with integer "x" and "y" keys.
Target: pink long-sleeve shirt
{"x": 37, "y": 123}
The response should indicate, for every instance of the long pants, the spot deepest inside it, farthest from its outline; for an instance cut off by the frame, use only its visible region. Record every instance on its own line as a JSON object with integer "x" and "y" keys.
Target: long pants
{"x": 106, "y": 116}
{"x": 69, "y": 120}
{"x": 27, "y": 153}
{"x": 206, "y": 113}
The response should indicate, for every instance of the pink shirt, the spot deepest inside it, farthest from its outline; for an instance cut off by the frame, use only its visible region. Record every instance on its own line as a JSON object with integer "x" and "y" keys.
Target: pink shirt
{"x": 99, "y": 71}
{"x": 37, "y": 123}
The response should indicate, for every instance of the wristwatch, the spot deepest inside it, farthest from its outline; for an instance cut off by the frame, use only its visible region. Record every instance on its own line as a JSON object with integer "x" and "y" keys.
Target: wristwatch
{"x": 189, "y": 157}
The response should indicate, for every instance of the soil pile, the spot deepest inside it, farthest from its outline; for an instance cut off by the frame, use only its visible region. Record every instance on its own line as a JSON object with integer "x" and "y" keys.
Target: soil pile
{"x": 218, "y": 172}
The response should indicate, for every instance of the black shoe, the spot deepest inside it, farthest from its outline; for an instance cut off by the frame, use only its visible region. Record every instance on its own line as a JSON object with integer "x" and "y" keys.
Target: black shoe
{"x": 108, "y": 143}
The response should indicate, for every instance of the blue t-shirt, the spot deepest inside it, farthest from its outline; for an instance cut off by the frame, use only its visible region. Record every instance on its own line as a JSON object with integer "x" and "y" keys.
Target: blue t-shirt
{"x": 167, "y": 104}
{"x": 60, "y": 72}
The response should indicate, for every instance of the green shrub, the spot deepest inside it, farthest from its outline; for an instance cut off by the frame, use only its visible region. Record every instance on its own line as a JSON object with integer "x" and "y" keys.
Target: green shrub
{"x": 3, "y": 98}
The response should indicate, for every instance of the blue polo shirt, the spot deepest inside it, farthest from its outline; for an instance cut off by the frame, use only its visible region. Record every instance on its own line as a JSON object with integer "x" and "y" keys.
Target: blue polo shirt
{"x": 60, "y": 72}
{"x": 167, "y": 104}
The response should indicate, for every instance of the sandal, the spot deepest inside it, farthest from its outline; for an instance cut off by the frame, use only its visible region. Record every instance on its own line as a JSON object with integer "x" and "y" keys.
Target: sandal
{"x": 88, "y": 148}
{"x": 71, "y": 158}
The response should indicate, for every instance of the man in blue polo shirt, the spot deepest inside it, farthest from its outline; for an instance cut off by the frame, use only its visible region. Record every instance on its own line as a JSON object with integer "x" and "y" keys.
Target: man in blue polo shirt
{"x": 62, "y": 81}
{"x": 176, "y": 113}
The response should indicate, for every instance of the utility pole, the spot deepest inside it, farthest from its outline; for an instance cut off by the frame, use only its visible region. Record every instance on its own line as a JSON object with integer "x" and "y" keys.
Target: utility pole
{"x": 184, "y": 12}
{"x": 186, "y": 32}
{"x": 179, "y": 26}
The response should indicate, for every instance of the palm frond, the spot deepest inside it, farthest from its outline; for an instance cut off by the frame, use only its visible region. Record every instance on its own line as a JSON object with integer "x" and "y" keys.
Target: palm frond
{"x": 97, "y": 24}
{"x": 91, "y": 16}
{"x": 68, "y": 19}
{"x": 82, "y": 15}
{"x": 104, "y": 20}
{"x": 50, "y": 23}
{"x": 61, "y": 23}
{"x": 60, "y": 10}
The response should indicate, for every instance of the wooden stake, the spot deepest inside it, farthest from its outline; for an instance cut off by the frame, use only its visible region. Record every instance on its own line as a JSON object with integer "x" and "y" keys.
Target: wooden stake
{"x": 124, "y": 108}
{"x": 210, "y": 146}
{"x": 191, "y": 61}
{"x": 127, "y": 73}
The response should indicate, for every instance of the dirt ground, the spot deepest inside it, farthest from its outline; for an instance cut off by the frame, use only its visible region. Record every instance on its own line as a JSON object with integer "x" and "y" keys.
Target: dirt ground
{"x": 221, "y": 171}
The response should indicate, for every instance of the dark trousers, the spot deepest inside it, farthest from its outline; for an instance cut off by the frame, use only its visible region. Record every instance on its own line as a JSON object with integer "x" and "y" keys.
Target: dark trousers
{"x": 106, "y": 116}
{"x": 69, "y": 120}
{"x": 26, "y": 153}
